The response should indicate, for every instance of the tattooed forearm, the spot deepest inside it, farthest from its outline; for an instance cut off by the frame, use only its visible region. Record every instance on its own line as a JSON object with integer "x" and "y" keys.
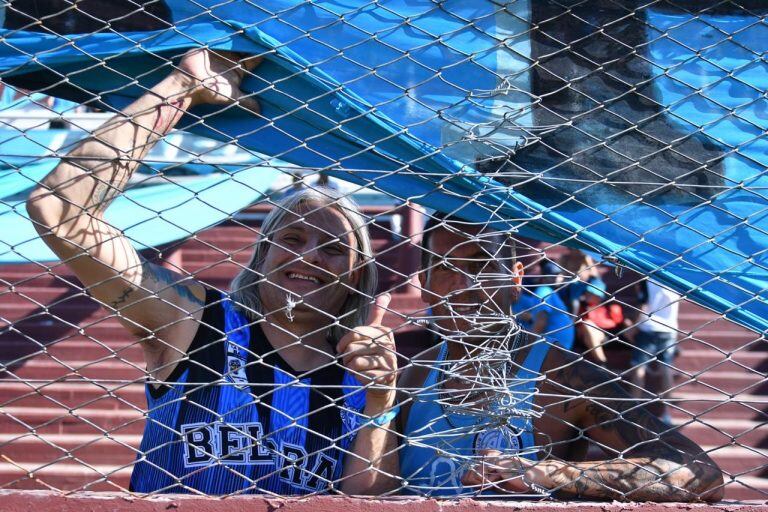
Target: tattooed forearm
{"x": 104, "y": 193}
{"x": 646, "y": 458}
{"x": 123, "y": 298}
{"x": 159, "y": 278}
{"x": 636, "y": 479}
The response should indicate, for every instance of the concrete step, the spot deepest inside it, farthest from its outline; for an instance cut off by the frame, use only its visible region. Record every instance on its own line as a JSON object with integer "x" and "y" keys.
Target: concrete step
{"x": 33, "y": 288}
{"x": 58, "y": 275}
{"x": 99, "y": 324}
{"x": 118, "y": 450}
{"x": 710, "y": 359}
{"x": 235, "y": 239}
{"x": 73, "y": 395}
{"x": 690, "y": 312}
{"x": 228, "y": 231}
{"x": 60, "y": 420}
{"x": 704, "y": 329}
{"x": 215, "y": 276}
{"x": 725, "y": 432}
{"x": 723, "y": 383}
{"x": 64, "y": 475}
{"x": 47, "y": 369}
{"x": 746, "y": 488}
{"x": 725, "y": 343}
{"x": 725, "y": 339}
{"x": 195, "y": 259}
{"x": 739, "y": 461}
{"x": 708, "y": 406}
{"x": 74, "y": 312}
{"x": 71, "y": 348}
{"x": 44, "y": 298}
{"x": 232, "y": 241}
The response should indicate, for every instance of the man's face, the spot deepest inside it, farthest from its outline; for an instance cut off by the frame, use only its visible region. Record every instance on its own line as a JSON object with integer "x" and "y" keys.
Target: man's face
{"x": 468, "y": 276}
{"x": 311, "y": 259}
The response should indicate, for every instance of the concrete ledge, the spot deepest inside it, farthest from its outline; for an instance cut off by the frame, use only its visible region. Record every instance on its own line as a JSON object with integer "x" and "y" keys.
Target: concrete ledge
{"x": 37, "y": 501}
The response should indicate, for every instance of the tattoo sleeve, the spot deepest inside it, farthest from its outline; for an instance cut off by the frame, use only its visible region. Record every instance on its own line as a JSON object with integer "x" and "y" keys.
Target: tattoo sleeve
{"x": 647, "y": 459}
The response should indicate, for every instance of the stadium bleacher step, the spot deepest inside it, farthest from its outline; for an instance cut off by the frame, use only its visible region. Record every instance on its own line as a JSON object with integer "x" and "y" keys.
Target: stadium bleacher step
{"x": 739, "y": 460}
{"x": 746, "y": 488}
{"x": 73, "y": 395}
{"x": 723, "y": 432}
{"x": 71, "y": 347}
{"x": 724, "y": 383}
{"x": 64, "y": 475}
{"x": 699, "y": 360}
{"x": 59, "y": 420}
{"x": 725, "y": 341}
{"x": 103, "y": 328}
{"x": 86, "y": 449}
{"x": 709, "y": 406}
{"x": 82, "y": 310}
{"x": 45, "y": 368}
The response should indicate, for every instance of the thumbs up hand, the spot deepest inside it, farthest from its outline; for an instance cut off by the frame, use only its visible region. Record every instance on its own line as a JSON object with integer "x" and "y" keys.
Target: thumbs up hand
{"x": 368, "y": 352}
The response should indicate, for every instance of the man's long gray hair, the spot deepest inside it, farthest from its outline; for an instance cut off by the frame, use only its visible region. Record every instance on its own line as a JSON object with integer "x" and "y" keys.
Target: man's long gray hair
{"x": 354, "y": 311}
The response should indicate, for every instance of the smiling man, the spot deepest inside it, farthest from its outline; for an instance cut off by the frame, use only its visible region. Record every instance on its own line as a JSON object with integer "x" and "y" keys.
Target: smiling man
{"x": 491, "y": 409}
{"x": 258, "y": 390}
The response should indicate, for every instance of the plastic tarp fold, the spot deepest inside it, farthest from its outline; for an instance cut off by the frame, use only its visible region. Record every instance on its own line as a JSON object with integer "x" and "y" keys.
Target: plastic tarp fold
{"x": 406, "y": 95}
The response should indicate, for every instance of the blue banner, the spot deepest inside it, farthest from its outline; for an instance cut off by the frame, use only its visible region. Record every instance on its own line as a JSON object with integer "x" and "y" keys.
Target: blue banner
{"x": 638, "y": 133}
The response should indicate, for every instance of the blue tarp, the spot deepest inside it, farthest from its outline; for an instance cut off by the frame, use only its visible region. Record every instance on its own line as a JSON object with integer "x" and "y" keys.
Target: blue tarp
{"x": 406, "y": 94}
{"x": 149, "y": 216}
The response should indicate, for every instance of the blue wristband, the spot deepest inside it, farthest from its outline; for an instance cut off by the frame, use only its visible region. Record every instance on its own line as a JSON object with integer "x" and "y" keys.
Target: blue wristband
{"x": 383, "y": 419}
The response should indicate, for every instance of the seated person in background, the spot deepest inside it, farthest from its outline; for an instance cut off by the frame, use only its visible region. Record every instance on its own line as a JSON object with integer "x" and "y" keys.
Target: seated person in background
{"x": 577, "y": 269}
{"x": 232, "y": 402}
{"x": 541, "y": 311}
{"x": 600, "y": 318}
{"x": 488, "y": 408}
{"x": 655, "y": 339}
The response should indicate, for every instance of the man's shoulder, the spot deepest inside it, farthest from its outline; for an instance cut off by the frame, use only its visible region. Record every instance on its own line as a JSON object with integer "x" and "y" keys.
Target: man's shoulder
{"x": 569, "y": 371}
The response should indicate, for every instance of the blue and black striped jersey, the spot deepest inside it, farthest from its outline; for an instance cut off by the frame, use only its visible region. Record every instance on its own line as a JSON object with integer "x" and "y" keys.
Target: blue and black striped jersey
{"x": 235, "y": 418}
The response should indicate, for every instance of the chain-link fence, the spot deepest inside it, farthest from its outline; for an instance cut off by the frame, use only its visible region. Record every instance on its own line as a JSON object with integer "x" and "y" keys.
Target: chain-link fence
{"x": 421, "y": 247}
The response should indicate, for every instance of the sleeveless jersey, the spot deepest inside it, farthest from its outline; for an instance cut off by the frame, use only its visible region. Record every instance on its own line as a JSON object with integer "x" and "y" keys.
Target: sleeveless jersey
{"x": 235, "y": 419}
{"x": 439, "y": 447}
{"x": 560, "y": 328}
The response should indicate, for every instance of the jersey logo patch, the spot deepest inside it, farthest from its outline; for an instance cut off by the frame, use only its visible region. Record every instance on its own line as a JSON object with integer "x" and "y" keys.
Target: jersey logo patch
{"x": 236, "y": 361}
{"x": 503, "y": 439}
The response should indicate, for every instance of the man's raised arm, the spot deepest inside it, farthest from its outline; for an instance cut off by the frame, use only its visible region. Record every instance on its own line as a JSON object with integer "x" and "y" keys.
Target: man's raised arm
{"x": 68, "y": 206}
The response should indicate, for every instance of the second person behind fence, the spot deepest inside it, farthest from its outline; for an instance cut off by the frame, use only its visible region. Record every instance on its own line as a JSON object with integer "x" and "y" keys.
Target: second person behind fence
{"x": 488, "y": 408}
{"x": 247, "y": 392}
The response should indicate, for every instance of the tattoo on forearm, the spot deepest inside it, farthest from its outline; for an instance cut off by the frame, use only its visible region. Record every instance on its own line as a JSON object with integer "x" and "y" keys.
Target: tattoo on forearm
{"x": 623, "y": 480}
{"x": 122, "y": 298}
{"x": 651, "y": 461}
{"x": 104, "y": 193}
{"x": 166, "y": 279}
{"x": 642, "y": 479}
